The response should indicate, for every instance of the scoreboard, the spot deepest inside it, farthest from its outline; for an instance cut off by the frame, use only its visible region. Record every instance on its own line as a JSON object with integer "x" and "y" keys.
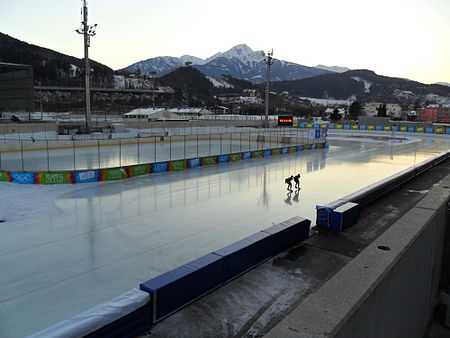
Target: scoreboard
{"x": 285, "y": 121}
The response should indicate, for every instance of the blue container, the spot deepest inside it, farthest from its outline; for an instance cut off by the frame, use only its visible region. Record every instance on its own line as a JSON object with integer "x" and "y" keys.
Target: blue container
{"x": 323, "y": 215}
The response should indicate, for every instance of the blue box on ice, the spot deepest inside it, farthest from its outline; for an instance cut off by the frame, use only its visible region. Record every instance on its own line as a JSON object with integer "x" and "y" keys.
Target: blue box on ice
{"x": 181, "y": 286}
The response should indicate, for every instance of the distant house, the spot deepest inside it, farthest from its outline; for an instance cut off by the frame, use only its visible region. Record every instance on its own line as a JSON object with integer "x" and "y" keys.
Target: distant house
{"x": 150, "y": 114}
{"x": 219, "y": 110}
{"x": 190, "y": 111}
{"x": 392, "y": 109}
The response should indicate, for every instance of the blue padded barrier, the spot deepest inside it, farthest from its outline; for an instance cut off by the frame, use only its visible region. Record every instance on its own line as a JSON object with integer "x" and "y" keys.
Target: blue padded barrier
{"x": 194, "y": 163}
{"x": 245, "y": 254}
{"x": 300, "y": 148}
{"x": 223, "y": 158}
{"x": 183, "y": 285}
{"x": 247, "y": 155}
{"x": 267, "y": 153}
{"x": 285, "y": 150}
{"x": 378, "y": 128}
{"x": 323, "y": 215}
{"x": 288, "y": 234}
{"x": 23, "y": 178}
{"x": 362, "y": 127}
{"x": 127, "y": 315}
{"x": 86, "y": 176}
{"x": 344, "y": 216}
{"x": 160, "y": 167}
{"x": 411, "y": 129}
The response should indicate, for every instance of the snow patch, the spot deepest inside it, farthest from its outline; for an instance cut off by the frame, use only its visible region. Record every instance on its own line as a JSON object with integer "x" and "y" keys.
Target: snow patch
{"x": 367, "y": 84}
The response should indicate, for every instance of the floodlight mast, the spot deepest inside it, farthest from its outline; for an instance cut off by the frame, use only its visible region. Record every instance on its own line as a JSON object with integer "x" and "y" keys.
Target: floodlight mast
{"x": 269, "y": 61}
{"x": 87, "y": 32}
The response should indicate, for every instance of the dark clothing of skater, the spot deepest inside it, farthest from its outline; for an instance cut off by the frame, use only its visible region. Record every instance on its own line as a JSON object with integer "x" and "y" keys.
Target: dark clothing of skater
{"x": 297, "y": 181}
{"x": 288, "y": 181}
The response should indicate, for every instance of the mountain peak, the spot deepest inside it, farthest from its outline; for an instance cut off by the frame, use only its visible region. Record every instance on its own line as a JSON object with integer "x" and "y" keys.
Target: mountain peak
{"x": 242, "y": 52}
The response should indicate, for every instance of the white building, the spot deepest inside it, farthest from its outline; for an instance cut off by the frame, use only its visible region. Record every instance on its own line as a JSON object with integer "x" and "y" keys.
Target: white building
{"x": 392, "y": 109}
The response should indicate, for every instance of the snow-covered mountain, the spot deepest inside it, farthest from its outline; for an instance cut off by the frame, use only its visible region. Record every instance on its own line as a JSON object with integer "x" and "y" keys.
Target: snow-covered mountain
{"x": 240, "y": 62}
{"x": 443, "y": 84}
{"x": 334, "y": 69}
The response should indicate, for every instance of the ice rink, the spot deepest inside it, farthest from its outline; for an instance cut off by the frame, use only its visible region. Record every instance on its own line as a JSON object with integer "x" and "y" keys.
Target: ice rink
{"x": 110, "y": 236}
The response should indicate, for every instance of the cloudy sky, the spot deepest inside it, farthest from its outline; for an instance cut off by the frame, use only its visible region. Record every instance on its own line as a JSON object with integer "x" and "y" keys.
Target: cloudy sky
{"x": 401, "y": 38}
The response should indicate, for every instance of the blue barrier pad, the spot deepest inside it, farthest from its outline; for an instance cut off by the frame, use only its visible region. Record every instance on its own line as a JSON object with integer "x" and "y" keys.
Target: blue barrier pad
{"x": 429, "y": 130}
{"x": 87, "y": 176}
{"x": 245, "y": 254}
{"x": 331, "y": 126}
{"x": 344, "y": 216}
{"x": 22, "y": 178}
{"x": 285, "y": 150}
{"x": 194, "y": 163}
{"x": 302, "y": 125}
{"x": 300, "y": 148}
{"x": 247, "y": 155}
{"x": 378, "y": 128}
{"x": 411, "y": 129}
{"x": 267, "y": 153}
{"x": 362, "y": 127}
{"x": 223, "y": 158}
{"x": 288, "y": 234}
{"x": 161, "y": 167}
{"x": 181, "y": 286}
{"x": 323, "y": 215}
{"x": 346, "y": 126}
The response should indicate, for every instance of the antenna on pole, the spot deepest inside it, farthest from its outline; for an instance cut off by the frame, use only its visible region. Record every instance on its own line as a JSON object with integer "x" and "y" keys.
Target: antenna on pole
{"x": 87, "y": 31}
{"x": 269, "y": 61}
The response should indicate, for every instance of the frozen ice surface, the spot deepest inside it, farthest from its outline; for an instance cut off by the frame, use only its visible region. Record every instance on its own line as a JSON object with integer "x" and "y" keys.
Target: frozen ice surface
{"x": 105, "y": 238}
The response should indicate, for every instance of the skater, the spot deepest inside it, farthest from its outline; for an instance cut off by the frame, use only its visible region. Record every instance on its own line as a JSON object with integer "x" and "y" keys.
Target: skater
{"x": 288, "y": 181}
{"x": 297, "y": 181}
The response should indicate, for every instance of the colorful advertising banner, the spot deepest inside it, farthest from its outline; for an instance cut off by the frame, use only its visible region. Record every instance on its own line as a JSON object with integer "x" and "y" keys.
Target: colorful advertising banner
{"x": 276, "y": 151}
{"x": 370, "y": 127}
{"x": 302, "y": 125}
{"x": 331, "y": 126}
{"x": 324, "y": 125}
{"x": 235, "y": 157}
{"x": 307, "y": 146}
{"x": 339, "y": 126}
{"x": 138, "y": 170}
{"x": 22, "y": 178}
{"x": 267, "y": 153}
{"x": 387, "y": 128}
{"x": 347, "y": 126}
{"x": 223, "y": 158}
{"x": 378, "y": 128}
{"x": 54, "y": 178}
{"x": 403, "y": 128}
{"x": 284, "y": 150}
{"x": 309, "y": 125}
{"x": 411, "y": 129}
{"x": 177, "y": 165}
{"x": 355, "y": 127}
{"x": 5, "y": 177}
{"x": 420, "y": 129}
{"x": 194, "y": 163}
{"x": 247, "y": 155}
{"x": 395, "y": 128}
{"x": 160, "y": 167}
{"x": 313, "y": 146}
{"x": 429, "y": 130}
{"x": 439, "y": 130}
{"x": 292, "y": 149}
{"x": 257, "y": 154}
{"x": 209, "y": 160}
{"x": 285, "y": 120}
{"x": 86, "y": 176}
{"x": 300, "y": 148}
{"x": 362, "y": 127}
{"x": 113, "y": 174}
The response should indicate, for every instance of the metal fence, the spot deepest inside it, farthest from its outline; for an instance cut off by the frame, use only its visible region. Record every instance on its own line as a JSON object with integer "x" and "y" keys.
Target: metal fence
{"x": 26, "y": 155}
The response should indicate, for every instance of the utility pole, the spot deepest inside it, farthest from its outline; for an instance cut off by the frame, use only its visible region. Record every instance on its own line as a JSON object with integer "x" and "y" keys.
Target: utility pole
{"x": 269, "y": 61}
{"x": 87, "y": 32}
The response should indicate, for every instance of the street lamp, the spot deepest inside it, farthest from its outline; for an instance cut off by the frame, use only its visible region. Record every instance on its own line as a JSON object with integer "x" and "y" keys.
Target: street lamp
{"x": 269, "y": 61}
{"x": 87, "y": 32}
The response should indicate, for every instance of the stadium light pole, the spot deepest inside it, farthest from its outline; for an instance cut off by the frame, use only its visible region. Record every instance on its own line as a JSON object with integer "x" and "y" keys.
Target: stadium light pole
{"x": 87, "y": 32}
{"x": 269, "y": 61}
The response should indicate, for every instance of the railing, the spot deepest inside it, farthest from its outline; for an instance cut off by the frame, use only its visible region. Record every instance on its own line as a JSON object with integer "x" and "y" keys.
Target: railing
{"x": 47, "y": 155}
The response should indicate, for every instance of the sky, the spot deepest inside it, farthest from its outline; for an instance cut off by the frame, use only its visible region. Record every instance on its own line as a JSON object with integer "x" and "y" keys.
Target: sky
{"x": 399, "y": 38}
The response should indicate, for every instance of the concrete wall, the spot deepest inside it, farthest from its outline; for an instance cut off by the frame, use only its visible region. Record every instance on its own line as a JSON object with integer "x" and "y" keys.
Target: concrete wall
{"x": 194, "y": 123}
{"x": 389, "y": 289}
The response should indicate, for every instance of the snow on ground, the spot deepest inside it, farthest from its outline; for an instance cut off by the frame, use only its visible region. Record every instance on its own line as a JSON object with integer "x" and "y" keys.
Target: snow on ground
{"x": 367, "y": 84}
{"x": 326, "y": 102}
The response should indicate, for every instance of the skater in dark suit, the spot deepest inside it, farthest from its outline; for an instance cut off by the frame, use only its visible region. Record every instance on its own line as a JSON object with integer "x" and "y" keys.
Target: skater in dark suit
{"x": 297, "y": 181}
{"x": 288, "y": 181}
